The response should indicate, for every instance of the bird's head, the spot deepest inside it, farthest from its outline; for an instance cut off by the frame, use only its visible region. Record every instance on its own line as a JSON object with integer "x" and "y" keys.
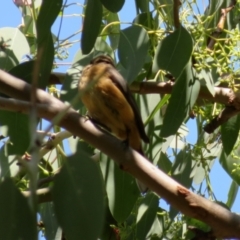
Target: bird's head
{"x": 102, "y": 59}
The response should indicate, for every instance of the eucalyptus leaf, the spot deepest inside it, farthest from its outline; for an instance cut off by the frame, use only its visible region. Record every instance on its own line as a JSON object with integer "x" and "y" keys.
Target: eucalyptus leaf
{"x": 174, "y": 52}
{"x": 182, "y": 168}
{"x": 232, "y": 194}
{"x": 184, "y": 95}
{"x": 48, "y": 12}
{"x": 78, "y": 198}
{"x": 18, "y": 131}
{"x": 146, "y": 216}
{"x": 142, "y": 5}
{"x": 164, "y": 163}
{"x": 133, "y": 50}
{"x": 15, "y": 209}
{"x": 90, "y": 33}
{"x": 125, "y": 194}
{"x": 229, "y": 131}
{"x": 113, "y": 6}
{"x": 113, "y": 30}
{"x": 14, "y": 42}
{"x": 23, "y": 71}
{"x": 48, "y": 217}
{"x": 230, "y": 163}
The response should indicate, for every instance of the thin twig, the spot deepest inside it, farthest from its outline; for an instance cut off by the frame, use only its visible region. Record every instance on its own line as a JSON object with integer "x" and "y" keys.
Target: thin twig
{"x": 176, "y": 5}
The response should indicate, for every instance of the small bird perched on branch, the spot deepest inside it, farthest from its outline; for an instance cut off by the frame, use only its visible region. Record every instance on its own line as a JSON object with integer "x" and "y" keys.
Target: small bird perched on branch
{"x": 110, "y": 104}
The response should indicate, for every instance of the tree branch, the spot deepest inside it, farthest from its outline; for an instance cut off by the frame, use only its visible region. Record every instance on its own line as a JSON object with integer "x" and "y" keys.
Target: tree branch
{"x": 220, "y": 26}
{"x": 176, "y": 5}
{"x": 43, "y": 195}
{"x": 223, "y": 222}
{"x": 222, "y": 95}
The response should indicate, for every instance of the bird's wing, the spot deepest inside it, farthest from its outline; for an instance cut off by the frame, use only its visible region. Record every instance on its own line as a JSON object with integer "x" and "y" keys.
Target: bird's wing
{"x": 117, "y": 79}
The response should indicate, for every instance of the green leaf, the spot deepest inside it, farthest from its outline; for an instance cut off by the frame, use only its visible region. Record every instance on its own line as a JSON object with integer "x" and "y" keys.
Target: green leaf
{"x": 16, "y": 218}
{"x": 133, "y": 50}
{"x": 7, "y": 60}
{"x": 230, "y": 164}
{"x": 146, "y": 216}
{"x": 70, "y": 84}
{"x": 48, "y": 217}
{"x": 184, "y": 95}
{"x": 47, "y": 15}
{"x": 23, "y": 71}
{"x": 164, "y": 163}
{"x": 102, "y": 47}
{"x": 144, "y": 19}
{"x": 198, "y": 224}
{"x": 46, "y": 56}
{"x": 108, "y": 231}
{"x": 8, "y": 164}
{"x": 113, "y": 30}
{"x": 206, "y": 79}
{"x": 13, "y": 38}
{"x": 199, "y": 173}
{"x": 18, "y": 131}
{"x": 157, "y": 108}
{"x": 174, "y": 52}
{"x": 78, "y": 198}
{"x": 10, "y": 52}
{"x": 125, "y": 194}
{"x": 232, "y": 194}
{"x": 142, "y": 5}
{"x": 229, "y": 131}
{"x": 147, "y": 105}
{"x": 113, "y": 6}
{"x": 182, "y": 168}
{"x": 173, "y": 212}
{"x": 90, "y": 33}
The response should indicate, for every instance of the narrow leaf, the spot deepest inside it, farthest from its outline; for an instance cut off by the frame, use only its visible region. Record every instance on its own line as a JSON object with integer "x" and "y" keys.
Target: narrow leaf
{"x": 18, "y": 131}
{"x": 113, "y": 6}
{"x": 232, "y": 194}
{"x": 230, "y": 164}
{"x": 230, "y": 131}
{"x": 46, "y": 56}
{"x": 48, "y": 217}
{"x": 206, "y": 79}
{"x": 142, "y": 5}
{"x": 113, "y": 30}
{"x": 146, "y": 215}
{"x": 184, "y": 95}
{"x": 164, "y": 163}
{"x": 8, "y": 164}
{"x": 47, "y": 15}
{"x": 182, "y": 167}
{"x": 91, "y": 25}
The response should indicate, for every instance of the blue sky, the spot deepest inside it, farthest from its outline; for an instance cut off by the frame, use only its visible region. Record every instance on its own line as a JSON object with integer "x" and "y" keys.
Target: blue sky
{"x": 11, "y": 17}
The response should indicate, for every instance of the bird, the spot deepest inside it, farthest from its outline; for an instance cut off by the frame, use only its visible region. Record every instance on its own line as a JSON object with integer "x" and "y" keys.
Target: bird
{"x": 109, "y": 102}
